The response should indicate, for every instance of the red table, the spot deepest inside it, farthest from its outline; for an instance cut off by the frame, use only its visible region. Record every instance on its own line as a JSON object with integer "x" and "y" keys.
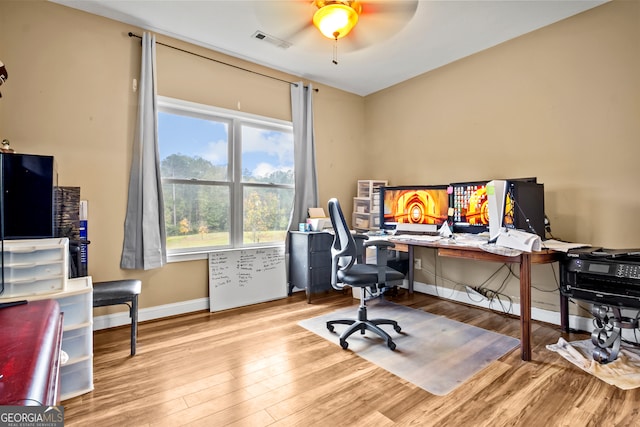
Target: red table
{"x": 30, "y": 343}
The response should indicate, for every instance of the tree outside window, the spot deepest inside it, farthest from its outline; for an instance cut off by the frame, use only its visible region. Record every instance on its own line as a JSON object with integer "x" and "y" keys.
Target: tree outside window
{"x": 227, "y": 177}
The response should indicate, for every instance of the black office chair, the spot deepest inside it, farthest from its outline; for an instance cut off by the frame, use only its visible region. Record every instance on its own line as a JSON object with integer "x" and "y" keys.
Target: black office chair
{"x": 367, "y": 277}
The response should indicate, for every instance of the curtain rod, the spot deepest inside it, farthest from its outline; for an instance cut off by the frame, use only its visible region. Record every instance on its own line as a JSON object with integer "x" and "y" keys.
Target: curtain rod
{"x": 221, "y": 62}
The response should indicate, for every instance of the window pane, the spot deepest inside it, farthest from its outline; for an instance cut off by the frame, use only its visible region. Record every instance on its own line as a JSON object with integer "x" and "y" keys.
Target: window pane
{"x": 196, "y": 216}
{"x": 193, "y": 148}
{"x": 267, "y": 155}
{"x": 266, "y": 214}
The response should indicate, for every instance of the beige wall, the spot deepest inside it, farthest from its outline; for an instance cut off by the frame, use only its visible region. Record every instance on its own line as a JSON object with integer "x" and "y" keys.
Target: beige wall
{"x": 69, "y": 95}
{"x": 561, "y": 103}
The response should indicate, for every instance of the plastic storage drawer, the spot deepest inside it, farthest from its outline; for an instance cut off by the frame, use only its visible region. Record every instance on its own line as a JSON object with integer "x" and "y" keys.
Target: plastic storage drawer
{"x": 76, "y": 378}
{"x": 35, "y": 266}
{"x": 361, "y": 205}
{"x": 77, "y": 309}
{"x": 369, "y": 188}
{"x": 77, "y": 343}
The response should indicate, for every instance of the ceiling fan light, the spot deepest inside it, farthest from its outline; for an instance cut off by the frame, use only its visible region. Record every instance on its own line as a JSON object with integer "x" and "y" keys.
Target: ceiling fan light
{"x": 335, "y": 20}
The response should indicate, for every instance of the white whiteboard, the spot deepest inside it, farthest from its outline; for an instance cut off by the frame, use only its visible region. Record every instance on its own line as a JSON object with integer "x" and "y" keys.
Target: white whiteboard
{"x": 247, "y": 276}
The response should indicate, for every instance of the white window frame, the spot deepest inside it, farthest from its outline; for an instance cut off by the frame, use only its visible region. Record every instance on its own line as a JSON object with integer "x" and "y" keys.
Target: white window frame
{"x": 234, "y": 171}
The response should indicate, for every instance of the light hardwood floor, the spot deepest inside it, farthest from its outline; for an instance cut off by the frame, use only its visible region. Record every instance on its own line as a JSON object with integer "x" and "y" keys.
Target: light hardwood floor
{"x": 255, "y": 366}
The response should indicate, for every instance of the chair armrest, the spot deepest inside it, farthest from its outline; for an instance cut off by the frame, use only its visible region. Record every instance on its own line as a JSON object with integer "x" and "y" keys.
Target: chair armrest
{"x": 380, "y": 244}
{"x": 381, "y": 255}
{"x": 360, "y": 244}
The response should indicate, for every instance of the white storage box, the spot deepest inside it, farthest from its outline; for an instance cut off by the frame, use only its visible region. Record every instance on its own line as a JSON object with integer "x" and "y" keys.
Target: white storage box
{"x": 77, "y": 343}
{"x": 361, "y": 205}
{"x": 35, "y": 266}
{"x": 369, "y": 187}
{"x": 76, "y": 378}
{"x": 77, "y": 309}
{"x": 365, "y": 221}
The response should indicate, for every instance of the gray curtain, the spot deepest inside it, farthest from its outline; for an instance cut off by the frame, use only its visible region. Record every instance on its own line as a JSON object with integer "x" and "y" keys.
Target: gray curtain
{"x": 306, "y": 181}
{"x": 304, "y": 153}
{"x": 144, "y": 244}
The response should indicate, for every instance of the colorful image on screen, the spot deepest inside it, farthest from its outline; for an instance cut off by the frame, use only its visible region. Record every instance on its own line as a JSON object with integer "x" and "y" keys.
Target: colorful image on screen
{"x": 469, "y": 203}
{"x": 414, "y": 205}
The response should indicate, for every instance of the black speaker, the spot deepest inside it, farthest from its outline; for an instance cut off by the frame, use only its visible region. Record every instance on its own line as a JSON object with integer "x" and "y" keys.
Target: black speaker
{"x": 27, "y": 203}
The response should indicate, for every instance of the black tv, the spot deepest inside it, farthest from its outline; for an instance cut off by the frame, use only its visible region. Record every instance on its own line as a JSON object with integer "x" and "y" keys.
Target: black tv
{"x": 27, "y": 196}
{"x": 413, "y": 204}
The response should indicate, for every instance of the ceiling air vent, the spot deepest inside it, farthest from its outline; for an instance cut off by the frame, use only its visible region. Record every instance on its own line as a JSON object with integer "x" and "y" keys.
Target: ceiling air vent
{"x": 270, "y": 39}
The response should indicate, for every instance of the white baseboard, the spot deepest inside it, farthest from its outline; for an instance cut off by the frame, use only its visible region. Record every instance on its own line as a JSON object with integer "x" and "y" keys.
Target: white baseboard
{"x": 547, "y": 316}
{"x": 150, "y": 313}
{"x": 184, "y": 307}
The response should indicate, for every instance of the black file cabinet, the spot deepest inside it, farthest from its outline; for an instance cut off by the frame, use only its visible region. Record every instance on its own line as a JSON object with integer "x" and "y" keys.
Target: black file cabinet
{"x": 310, "y": 262}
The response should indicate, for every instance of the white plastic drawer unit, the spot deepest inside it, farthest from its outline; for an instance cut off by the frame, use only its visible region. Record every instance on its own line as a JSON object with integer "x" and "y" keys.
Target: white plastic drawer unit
{"x": 35, "y": 266}
{"x": 77, "y": 309}
{"x": 361, "y": 205}
{"x": 76, "y": 378}
{"x": 77, "y": 343}
{"x": 369, "y": 187}
{"x": 365, "y": 221}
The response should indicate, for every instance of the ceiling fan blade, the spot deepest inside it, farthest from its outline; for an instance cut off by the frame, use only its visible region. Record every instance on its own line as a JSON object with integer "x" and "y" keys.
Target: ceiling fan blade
{"x": 292, "y": 21}
{"x": 406, "y": 8}
{"x": 286, "y": 20}
{"x": 379, "y": 21}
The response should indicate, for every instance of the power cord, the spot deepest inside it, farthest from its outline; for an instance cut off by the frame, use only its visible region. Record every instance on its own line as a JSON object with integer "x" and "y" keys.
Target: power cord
{"x": 492, "y": 296}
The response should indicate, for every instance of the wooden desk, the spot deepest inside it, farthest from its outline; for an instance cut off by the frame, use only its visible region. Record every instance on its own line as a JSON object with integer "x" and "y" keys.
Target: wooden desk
{"x": 30, "y": 342}
{"x": 470, "y": 252}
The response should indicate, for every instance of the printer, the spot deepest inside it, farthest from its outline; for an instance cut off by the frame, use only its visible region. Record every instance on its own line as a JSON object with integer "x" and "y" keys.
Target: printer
{"x": 610, "y": 280}
{"x": 603, "y": 276}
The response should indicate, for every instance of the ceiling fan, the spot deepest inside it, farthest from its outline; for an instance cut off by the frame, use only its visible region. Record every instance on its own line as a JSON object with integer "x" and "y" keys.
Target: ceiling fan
{"x": 356, "y": 23}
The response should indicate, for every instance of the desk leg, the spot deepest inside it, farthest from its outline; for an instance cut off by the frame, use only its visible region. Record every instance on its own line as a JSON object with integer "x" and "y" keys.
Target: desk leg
{"x": 525, "y": 306}
{"x": 564, "y": 301}
{"x": 410, "y": 273}
{"x": 564, "y": 313}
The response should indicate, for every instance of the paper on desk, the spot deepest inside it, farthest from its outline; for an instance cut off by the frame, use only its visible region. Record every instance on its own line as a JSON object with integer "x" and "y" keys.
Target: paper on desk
{"x": 466, "y": 239}
{"x": 559, "y": 246}
{"x": 518, "y": 239}
{"x": 417, "y": 237}
{"x": 445, "y": 230}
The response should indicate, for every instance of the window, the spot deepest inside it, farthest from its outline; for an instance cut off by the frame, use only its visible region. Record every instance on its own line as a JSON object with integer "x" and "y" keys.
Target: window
{"x": 227, "y": 177}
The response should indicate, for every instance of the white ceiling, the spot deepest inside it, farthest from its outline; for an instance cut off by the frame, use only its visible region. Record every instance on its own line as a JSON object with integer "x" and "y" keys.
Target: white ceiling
{"x": 394, "y": 40}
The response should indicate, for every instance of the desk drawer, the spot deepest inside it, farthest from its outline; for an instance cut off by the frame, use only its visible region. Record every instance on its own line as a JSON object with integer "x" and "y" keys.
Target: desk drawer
{"x": 320, "y": 242}
{"x": 320, "y": 279}
{"x": 320, "y": 259}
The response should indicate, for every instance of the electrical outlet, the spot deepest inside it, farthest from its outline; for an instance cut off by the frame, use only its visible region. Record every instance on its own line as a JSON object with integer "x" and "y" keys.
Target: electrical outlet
{"x": 417, "y": 264}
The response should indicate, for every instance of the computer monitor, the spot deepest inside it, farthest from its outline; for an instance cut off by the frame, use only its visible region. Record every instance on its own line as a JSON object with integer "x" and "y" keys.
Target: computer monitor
{"x": 470, "y": 211}
{"x": 415, "y": 204}
{"x": 523, "y": 206}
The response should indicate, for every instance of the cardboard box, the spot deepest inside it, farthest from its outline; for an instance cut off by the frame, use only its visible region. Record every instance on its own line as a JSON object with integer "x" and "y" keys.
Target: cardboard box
{"x": 318, "y": 220}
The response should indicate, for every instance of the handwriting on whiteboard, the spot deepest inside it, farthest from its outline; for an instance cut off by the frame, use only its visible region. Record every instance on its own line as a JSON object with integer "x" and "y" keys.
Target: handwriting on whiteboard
{"x": 247, "y": 276}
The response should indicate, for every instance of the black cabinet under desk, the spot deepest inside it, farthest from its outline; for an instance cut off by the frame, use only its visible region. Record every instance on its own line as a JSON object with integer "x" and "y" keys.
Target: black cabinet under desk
{"x": 310, "y": 262}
